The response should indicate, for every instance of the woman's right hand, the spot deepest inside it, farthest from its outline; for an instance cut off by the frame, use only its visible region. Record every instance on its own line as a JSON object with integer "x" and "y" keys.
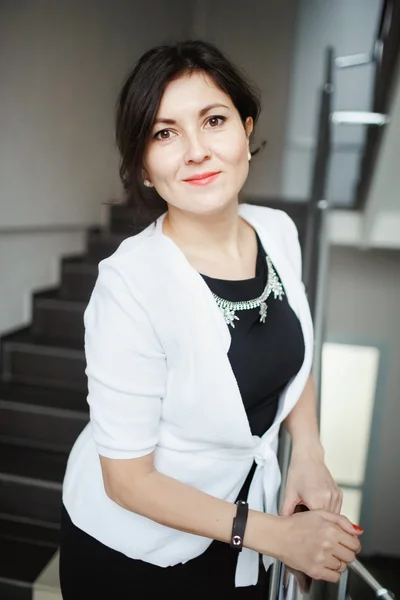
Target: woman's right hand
{"x": 314, "y": 541}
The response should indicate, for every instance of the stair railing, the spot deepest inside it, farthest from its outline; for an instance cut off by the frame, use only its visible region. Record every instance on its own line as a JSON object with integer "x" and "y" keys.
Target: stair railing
{"x": 365, "y": 575}
{"x": 284, "y": 584}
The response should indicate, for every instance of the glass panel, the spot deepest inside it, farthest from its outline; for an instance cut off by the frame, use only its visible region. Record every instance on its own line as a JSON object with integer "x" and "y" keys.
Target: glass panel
{"x": 349, "y": 375}
{"x": 352, "y": 504}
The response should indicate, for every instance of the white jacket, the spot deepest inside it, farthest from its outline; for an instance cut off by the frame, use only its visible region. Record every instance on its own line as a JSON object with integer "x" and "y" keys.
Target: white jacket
{"x": 160, "y": 379}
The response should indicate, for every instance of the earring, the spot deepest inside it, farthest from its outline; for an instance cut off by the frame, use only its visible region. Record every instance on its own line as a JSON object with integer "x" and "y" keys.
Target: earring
{"x": 249, "y": 155}
{"x": 147, "y": 183}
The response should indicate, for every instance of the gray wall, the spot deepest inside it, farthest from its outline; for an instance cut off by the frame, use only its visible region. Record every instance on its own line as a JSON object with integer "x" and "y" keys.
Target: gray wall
{"x": 364, "y": 308}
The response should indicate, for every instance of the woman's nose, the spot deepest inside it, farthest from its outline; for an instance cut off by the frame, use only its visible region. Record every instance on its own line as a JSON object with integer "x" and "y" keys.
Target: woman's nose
{"x": 196, "y": 151}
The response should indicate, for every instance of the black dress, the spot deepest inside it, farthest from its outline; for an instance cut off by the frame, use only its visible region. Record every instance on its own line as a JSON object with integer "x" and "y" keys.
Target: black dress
{"x": 264, "y": 357}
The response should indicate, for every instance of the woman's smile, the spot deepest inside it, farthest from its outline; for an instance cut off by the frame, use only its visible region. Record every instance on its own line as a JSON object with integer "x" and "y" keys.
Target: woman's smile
{"x": 202, "y": 179}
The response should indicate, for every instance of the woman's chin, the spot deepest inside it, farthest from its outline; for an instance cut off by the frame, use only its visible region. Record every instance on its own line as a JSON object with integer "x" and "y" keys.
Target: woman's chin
{"x": 209, "y": 205}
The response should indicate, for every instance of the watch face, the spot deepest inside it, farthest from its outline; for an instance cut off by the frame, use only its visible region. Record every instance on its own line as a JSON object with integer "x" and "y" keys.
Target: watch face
{"x": 236, "y": 540}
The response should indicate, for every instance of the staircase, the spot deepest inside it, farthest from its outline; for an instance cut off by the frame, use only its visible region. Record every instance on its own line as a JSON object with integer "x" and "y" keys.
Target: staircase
{"x": 43, "y": 408}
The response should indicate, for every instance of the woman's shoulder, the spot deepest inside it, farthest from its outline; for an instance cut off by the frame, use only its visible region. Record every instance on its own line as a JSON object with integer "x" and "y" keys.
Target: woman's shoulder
{"x": 134, "y": 254}
{"x": 280, "y": 227}
{"x": 125, "y": 277}
{"x": 274, "y": 220}
{"x": 132, "y": 244}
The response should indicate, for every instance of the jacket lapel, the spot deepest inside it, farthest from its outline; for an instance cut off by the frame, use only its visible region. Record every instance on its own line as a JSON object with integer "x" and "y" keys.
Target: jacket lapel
{"x": 209, "y": 337}
{"x": 278, "y": 257}
{"x": 298, "y": 301}
{"x": 196, "y": 293}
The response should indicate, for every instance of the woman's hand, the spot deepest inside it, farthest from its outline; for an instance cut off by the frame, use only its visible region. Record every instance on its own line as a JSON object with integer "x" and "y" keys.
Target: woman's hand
{"x": 318, "y": 543}
{"x": 309, "y": 482}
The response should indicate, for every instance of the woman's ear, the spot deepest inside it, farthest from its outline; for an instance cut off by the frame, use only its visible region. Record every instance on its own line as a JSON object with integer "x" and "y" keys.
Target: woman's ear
{"x": 146, "y": 178}
{"x": 249, "y": 124}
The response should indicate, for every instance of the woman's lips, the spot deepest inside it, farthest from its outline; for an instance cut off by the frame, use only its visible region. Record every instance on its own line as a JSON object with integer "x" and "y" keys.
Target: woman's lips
{"x": 203, "y": 181}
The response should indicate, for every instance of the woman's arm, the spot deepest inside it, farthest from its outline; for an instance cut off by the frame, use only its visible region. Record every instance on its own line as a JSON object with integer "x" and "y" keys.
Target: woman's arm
{"x": 310, "y": 542}
{"x": 137, "y": 486}
{"x": 309, "y": 481}
{"x": 302, "y": 424}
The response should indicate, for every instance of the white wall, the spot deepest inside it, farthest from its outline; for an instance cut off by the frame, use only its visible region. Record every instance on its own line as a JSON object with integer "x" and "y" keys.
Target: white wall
{"x": 258, "y": 36}
{"x": 364, "y": 302}
{"x": 61, "y": 66}
{"x": 350, "y": 27}
{"x": 30, "y": 260}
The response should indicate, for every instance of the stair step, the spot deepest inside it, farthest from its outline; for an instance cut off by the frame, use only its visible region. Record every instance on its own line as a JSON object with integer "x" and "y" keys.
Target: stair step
{"x": 20, "y": 565}
{"x": 56, "y": 317}
{"x": 44, "y": 396}
{"x": 78, "y": 276}
{"x": 47, "y": 418}
{"x": 101, "y": 244}
{"x": 124, "y": 219}
{"x": 46, "y": 362}
{"x": 29, "y": 531}
{"x": 31, "y": 482}
{"x": 47, "y": 585}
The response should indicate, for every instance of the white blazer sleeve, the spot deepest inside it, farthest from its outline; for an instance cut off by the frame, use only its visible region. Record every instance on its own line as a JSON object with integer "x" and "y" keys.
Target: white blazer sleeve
{"x": 126, "y": 369}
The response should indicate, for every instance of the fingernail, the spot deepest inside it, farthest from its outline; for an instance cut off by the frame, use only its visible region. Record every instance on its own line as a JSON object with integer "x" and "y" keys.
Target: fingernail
{"x": 357, "y": 527}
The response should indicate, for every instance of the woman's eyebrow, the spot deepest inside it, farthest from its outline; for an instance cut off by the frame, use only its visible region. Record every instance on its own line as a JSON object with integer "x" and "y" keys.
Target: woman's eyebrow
{"x": 202, "y": 112}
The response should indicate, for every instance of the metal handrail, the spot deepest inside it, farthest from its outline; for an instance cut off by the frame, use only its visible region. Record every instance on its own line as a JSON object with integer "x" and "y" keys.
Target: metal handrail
{"x": 318, "y": 182}
{"x": 380, "y": 591}
{"x": 288, "y": 587}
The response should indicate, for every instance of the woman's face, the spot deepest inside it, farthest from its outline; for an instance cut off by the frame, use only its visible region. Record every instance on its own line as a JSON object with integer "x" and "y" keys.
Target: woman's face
{"x": 198, "y": 131}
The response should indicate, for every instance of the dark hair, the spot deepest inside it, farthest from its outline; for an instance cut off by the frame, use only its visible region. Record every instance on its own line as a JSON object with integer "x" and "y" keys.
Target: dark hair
{"x": 140, "y": 98}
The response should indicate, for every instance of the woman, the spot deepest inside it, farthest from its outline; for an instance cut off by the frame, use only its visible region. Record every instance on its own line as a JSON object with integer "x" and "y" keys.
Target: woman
{"x": 199, "y": 346}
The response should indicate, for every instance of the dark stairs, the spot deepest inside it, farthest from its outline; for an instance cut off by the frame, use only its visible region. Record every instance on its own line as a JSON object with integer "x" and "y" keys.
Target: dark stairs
{"x": 43, "y": 407}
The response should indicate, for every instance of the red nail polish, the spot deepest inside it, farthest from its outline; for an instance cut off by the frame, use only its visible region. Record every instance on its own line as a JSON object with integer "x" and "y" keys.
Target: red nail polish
{"x": 357, "y": 527}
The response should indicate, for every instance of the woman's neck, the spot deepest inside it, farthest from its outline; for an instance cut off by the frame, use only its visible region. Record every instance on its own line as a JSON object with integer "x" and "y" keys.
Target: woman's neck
{"x": 218, "y": 234}
{"x": 222, "y": 246}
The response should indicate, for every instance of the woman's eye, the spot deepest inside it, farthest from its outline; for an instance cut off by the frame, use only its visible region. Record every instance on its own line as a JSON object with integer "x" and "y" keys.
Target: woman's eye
{"x": 164, "y": 134}
{"x": 215, "y": 120}
{"x": 167, "y": 134}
